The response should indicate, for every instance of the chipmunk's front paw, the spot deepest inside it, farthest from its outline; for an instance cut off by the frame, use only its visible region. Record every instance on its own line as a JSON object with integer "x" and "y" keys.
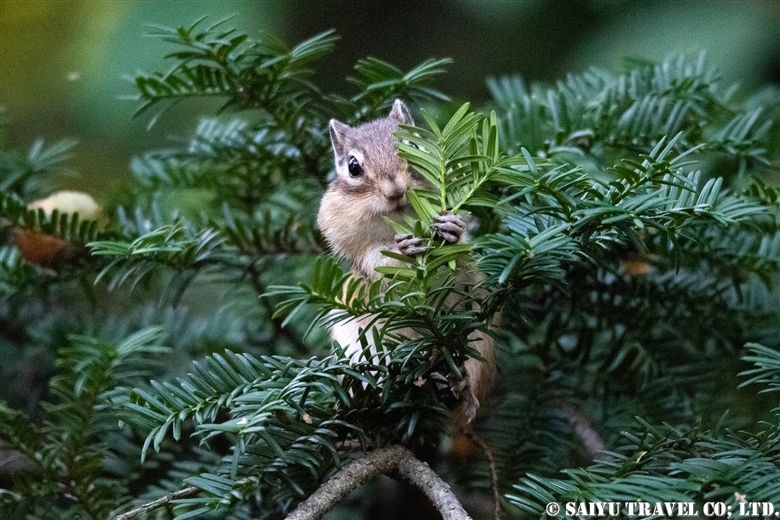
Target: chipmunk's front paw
{"x": 450, "y": 227}
{"x": 469, "y": 406}
{"x": 410, "y": 245}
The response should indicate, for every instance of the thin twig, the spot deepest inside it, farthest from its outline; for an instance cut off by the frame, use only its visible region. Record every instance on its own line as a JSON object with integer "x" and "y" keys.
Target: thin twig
{"x": 276, "y": 323}
{"x": 182, "y": 493}
{"x": 382, "y": 461}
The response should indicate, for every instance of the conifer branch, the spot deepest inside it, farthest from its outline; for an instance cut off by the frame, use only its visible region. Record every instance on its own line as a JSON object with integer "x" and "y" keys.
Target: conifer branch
{"x": 384, "y": 461}
{"x": 156, "y": 504}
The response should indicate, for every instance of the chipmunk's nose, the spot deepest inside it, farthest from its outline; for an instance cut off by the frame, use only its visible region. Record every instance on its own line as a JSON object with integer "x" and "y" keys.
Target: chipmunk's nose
{"x": 392, "y": 190}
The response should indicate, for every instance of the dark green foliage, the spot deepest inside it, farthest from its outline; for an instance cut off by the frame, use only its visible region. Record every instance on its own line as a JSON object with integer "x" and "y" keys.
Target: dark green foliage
{"x": 251, "y": 74}
{"x": 284, "y": 421}
{"x": 63, "y": 470}
{"x": 380, "y": 82}
{"x": 23, "y": 175}
{"x": 633, "y": 111}
{"x": 630, "y": 249}
{"x": 767, "y": 369}
{"x": 667, "y": 465}
{"x": 664, "y": 464}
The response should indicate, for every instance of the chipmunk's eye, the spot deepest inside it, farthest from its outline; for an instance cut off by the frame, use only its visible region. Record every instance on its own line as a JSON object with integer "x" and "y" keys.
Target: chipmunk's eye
{"x": 355, "y": 170}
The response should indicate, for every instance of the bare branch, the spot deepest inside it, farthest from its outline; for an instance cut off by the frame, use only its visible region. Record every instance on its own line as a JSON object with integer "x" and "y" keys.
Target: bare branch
{"x": 160, "y": 502}
{"x": 382, "y": 461}
{"x": 421, "y": 475}
{"x": 584, "y": 430}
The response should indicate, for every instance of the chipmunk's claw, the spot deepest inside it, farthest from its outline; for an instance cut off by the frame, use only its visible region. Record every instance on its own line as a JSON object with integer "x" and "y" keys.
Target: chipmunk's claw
{"x": 470, "y": 406}
{"x": 450, "y": 227}
{"x": 410, "y": 245}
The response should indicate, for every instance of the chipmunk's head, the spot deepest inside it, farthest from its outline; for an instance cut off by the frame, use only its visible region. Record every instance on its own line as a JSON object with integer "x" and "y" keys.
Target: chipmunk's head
{"x": 369, "y": 172}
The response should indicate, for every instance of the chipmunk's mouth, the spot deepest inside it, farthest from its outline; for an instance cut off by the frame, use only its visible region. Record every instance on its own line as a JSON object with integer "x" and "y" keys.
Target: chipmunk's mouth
{"x": 395, "y": 204}
{"x": 401, "y": 207}
{"x": 394, "y": 209}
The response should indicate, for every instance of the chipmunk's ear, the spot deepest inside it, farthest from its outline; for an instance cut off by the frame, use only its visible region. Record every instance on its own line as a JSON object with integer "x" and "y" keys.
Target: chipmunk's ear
{"x": 401, "y": 113}
{"x": 338, "y": 135}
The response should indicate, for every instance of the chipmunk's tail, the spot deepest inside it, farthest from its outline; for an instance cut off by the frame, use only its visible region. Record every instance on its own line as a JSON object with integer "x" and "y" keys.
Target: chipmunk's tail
{"x": 465, "y": 441}
{"x": 493, "y": 471}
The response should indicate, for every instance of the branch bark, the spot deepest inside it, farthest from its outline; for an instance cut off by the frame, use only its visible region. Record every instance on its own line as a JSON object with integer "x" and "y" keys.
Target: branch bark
{"x": 160, "y": 502}
{"x": 382, "y": 461}
{"x": 584, "y": 430}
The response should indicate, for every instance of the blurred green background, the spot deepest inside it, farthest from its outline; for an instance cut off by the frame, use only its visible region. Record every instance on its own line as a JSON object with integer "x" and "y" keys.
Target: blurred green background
{"x": 64, "y": 63}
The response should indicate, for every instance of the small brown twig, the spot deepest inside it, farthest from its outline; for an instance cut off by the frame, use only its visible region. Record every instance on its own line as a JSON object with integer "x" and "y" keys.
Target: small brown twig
{"x": 160, "y": 502}
{"x": 382, "y": 461}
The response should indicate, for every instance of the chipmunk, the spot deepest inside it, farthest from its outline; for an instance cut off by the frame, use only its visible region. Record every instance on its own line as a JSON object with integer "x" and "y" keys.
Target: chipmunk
{"x": 372, "y": 183}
